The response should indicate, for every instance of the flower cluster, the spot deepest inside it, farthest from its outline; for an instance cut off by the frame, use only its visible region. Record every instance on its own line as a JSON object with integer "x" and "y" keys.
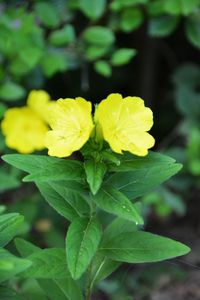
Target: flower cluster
{"x": 122, "y": 122}
{"x": 25, "y": 127}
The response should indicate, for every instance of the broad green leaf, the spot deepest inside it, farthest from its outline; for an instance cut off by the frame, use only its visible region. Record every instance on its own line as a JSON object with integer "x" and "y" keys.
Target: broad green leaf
{"x": 177, "y": 7}
{"x": 102, "y": 67}
{"x": 140, "y": 247}
{"x": 59, "y": 289}
{"x": 74, "y": 193}
{"x": 82, "y": 240}
{"x": 47, "y": 13}
{"x": 45, "y": 168}
{"x": 8, "y": 294}
{"x": 9, "y": 226}
{"x": 102, "y": 267}
{"x": 57, "y": 201}
{"x": 48, "y": 264}
{"x": 99, "y": 35}
{"x": 63, "y": 36}
{"x": 122, "y": 56}
{"x": 131, "y": 19}
{"x": 114, "y": 202}
{"x": 138, "y": 175}
{"x": 92, "y": 9}
{"x": 11, "y": 265}
{"x": 8, "y": 181}
{"x": 162, "y": 26}
{"x": 95, "y": 172}
{"x": 193, "y": 30}
{"x": 117, "y": 227}
{"x": 2, "y": 209}
{"x": 25, "y": 248}
{"x": 10, "y": 91}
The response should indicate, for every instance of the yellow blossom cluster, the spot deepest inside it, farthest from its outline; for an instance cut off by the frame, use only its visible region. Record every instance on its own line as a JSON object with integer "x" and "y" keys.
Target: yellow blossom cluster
{"x": 122, "y": 122}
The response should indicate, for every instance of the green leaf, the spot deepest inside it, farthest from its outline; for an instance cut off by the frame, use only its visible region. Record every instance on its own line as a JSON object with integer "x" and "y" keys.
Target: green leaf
{"x": 70, "y": 289}
{"x": 193, "y": 31}
{"x": 31, "y": 56}
{"x": 82, "y": 240}
{"x": 48, "y": 14}
{"x": 117, "y": 227}
{"x": 140, "y": 247}
{"x": 8, "y": 294}
{"x": 178, "y": 7}
{"x": 117, "y": 5}
{"x": 114, "y": 202}
{"x": 48, "y": 264}
{"x": 3, "y": 109}
{"x": 99, "y": 35}
{"x": 92, "y": 9}
{"x": 95, "y": 52}
{"x": 45, "y": 168}
{"x": 103, "y": 68}
{"x": 102, "y": 267}
{"x": 95, "y": 172}
{"x": 8, "y": 181}
{"x": 25, "y": 248}
{"x": 10, "y": 91}
{"x": 11, "y": 265}
{"x": 9, "y": 226}
{"x": 63, "y": 36}
{"x": 54, "y": 62}
{"x": 122, "y": 56}
{"x": 55, "y": 200}
{"x": 162, "y": 26}
{"x": 131, "y": 19}
{"x": 138, "y": 175}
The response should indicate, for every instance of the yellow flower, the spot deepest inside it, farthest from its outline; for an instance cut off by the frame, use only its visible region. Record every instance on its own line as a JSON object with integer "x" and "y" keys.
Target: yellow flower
{"x": 39, "y": 101}
{"x": 71, "y": 124}
{"x": 24, "y": 130}
{"x": 124, "y": 124}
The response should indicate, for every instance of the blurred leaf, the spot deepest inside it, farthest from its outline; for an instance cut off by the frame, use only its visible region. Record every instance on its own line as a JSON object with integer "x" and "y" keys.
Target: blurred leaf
{"x": 99, "y": 35}
{"x": 47, "y": 13}
{"x": 10, "y": 91}
{"x": 155, "y": 8}
{"x": 95, "y": 52}
{"x": 114, "y": 202}
{"x": 95, "y": 172}
{"x": 8, "y": 294}
{"x": 162, "y": 26}
{"x": 82, "y": 241}
{"x": 30, "y": 289}
{"x": 178, "y": 7}
{"x": 188, "y": 75}
{"x": 131, "y": 19}
{"x": 102, "y": 67}
{"x": 11, "y": 265}
{"x": 7, "y": 181}
{"x": 138, "y": 175}
{"x": 119, "y": 4}
{"x": 3, "y": 109}
{"x": 140, "y": 247}
{"x": 92, "y": 9}
{"x": 122, "y": 56}
{"x": 25, "y": 248}
{"x": 9, "y": 227}
{"x": 63, "y": 36}
{"x": 193, "y": 30}
{"x": 31, "y": 56}
{"x": 47, "y": 263}
{"x": 54, "y": 62}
